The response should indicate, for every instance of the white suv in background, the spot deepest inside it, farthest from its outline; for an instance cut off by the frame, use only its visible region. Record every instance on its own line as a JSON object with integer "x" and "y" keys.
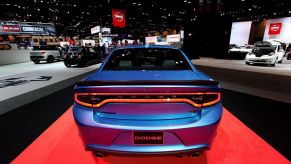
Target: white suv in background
{"x": 266, "y": 52}
{"x": 48, "y": 53}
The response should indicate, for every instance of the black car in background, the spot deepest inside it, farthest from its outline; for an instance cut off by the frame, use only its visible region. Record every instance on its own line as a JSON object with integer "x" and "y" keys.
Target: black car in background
{"x": 288, "y": 52}
{"x": 81, "y": 56}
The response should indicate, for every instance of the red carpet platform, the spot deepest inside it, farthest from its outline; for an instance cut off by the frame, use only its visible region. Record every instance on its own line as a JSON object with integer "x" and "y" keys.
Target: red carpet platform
{"x": 234, "y": 144}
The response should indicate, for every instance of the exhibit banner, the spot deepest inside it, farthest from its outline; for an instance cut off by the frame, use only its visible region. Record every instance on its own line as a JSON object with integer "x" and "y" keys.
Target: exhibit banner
{"x": 18, "y": 28}
{"x": 275, "y": 28}
{"x": 182, "y": 33}
{"x": 95, "y": 30}
{"x": 33, "y": 29}
{"x": 118, "y": 18}
{"x": 240, "y": 33}
{"x": 278, "y": 29}
{"x": 106, "y": 30}
{"x": 151, "y": 40}
{"x": 9, "y": 28}
{"x": 173, "y": 38}
{"x": 110, "y": 35}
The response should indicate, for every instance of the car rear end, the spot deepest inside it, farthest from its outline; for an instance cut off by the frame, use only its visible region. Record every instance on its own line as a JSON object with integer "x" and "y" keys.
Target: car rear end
{"x": 170, "y": 111}
{"x": 75, "y": 55}
{"x": 39, "y": 53}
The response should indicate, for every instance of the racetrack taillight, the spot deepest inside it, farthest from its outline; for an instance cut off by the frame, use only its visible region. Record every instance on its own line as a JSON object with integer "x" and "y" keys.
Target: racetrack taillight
{"x": 87, "y": 99}
{"x": 95, "y": 100}
{"x": 206, "y": 99}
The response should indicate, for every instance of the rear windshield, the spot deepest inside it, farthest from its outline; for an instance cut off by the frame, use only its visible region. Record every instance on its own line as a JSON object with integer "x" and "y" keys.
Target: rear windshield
{"x": 147, "y": 59}
{"x": 75, "y": 49}
{"x": 45, "y": 48}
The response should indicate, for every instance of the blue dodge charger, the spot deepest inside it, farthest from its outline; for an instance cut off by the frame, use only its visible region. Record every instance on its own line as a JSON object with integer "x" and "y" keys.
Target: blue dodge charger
{"x": 147, "y": 100}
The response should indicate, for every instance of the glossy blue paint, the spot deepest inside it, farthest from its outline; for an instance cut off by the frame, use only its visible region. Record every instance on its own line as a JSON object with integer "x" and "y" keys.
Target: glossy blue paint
{"x": 111, "y": 126}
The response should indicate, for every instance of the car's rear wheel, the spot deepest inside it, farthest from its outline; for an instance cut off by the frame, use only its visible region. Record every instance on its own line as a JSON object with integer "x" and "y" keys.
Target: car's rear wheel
{"x": 36, "y": 62}
{"x": 84, "y": 63}
{"x": 50, "y": 59}
{"x": 248, "y": 63}
{"x": 67, "y": 64}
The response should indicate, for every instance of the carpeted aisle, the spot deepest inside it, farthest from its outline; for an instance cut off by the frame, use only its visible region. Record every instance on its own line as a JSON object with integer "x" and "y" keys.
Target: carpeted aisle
{"x": 234, "y": 143}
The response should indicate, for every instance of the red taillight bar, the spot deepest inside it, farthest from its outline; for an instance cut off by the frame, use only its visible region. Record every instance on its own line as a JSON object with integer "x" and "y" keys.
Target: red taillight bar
{"x": 151, "y": 93}
{"x": 43, "y": 52}
{"x": 166, "y": 100}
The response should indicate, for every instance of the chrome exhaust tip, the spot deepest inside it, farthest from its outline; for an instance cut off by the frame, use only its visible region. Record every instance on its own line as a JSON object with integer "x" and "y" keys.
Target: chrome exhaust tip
{"x": 98, "y": 155}
{"x": 196, "y": 154}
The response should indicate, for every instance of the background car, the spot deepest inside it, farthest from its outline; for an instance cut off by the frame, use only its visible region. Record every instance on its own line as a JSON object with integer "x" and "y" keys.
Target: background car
{"x": 147, "y": 100}
{"x": 81, "y": 56}
{"x": 288, "y": 52}
{"x": 266, "y": 52}
{"x": 238, "y": 52}
{"x": 48, "y": 53}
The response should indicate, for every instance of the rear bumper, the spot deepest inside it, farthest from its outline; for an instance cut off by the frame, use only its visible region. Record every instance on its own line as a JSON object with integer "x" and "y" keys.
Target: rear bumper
{"x": 165, "y": 150}
{"x": 178, "y": 138}
{"x": 72, "y": 61}
{"x": 38, "y": 58}
{"x": 261, "y": 60}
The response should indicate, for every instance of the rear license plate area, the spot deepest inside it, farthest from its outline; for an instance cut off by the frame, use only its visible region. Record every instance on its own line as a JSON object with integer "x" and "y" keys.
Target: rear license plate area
{"x": 148, "y": 138}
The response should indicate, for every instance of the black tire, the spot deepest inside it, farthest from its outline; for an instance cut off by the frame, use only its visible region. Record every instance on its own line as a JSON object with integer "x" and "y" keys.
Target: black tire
{"x": 273, "y": 65}
{"x": 248, "y": 63}
{"x": 280, "y": 61}
{"x": 36, "y": 62}
{"x": 80, "y": 64}
{"x": 67, "y": 65}
{"x": 84, "y": 63}
{"x": 50, "y": 59}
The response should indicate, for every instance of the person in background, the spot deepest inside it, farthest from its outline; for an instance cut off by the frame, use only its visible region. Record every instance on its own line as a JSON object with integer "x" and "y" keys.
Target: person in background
{"x": 126, "y": 43}
{"x": 135, "y": 42}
